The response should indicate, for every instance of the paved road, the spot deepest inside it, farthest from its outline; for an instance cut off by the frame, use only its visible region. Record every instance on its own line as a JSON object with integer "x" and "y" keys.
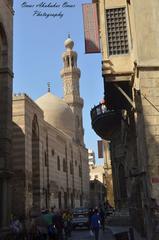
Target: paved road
{"x": 84, "y": 235}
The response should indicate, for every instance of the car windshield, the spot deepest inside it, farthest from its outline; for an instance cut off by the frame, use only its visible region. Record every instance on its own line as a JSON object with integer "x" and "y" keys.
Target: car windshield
{"x": 80, "y": 210}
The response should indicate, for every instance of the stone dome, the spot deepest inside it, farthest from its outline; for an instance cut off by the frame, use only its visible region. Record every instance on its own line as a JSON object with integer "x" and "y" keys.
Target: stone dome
{"x": 57, "y": 112}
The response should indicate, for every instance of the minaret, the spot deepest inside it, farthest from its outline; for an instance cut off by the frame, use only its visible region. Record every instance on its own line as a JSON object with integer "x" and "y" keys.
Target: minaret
{"x": 71, "y": 74}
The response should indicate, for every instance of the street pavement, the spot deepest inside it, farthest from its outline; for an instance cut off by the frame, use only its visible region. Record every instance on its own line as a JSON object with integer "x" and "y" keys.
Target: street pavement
{"x": 83, "y": 234}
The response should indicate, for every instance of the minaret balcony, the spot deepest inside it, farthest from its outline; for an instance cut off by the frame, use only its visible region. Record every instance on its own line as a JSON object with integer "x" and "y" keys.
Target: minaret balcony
{"x": 66, "y": 71}
{"x": 104, "y": 121}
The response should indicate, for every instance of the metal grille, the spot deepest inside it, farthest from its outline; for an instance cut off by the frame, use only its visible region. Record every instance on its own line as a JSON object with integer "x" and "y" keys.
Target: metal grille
{"x": 117, "y": 31}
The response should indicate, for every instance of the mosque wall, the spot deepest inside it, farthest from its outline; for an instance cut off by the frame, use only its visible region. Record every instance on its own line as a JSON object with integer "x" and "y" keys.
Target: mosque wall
{"x": 50, "y": 168}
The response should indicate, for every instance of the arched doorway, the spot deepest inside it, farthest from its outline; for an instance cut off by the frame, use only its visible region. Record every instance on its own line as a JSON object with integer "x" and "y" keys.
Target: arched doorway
{"x": 35, "y": 164}
{"x": 3, "y": 48}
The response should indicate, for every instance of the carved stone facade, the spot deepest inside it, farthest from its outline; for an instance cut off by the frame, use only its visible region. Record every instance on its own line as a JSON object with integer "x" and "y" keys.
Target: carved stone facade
{"x": 50, "y": 166}
{"x": 71, "y": 74}
{"x": 6, "y": 75}
{"x": 98, "y": 190}
{"x": 130, "y": 68}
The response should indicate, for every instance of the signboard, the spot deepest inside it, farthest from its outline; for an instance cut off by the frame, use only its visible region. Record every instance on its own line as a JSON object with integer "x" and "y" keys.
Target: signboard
{"x": 91, "y": 31}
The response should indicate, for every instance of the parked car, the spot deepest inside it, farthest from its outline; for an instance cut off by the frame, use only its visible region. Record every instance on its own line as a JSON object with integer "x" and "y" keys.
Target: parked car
{"x": 80, "y": 218}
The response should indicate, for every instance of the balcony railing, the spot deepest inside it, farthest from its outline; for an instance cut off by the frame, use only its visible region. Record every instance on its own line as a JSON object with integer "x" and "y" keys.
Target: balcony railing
{"x": 104, "y": 121}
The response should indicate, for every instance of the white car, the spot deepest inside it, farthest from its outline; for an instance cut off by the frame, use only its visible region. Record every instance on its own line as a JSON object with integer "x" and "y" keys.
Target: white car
{"x": 80, "y": 218}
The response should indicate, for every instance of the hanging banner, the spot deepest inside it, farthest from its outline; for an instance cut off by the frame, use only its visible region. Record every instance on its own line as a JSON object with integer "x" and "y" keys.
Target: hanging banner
{"x": 91, "y": 30}
{"x": 100, "y": 149}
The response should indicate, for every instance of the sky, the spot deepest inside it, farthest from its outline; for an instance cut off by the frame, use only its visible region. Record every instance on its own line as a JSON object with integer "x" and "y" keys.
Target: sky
{"x": 38, "y": 47}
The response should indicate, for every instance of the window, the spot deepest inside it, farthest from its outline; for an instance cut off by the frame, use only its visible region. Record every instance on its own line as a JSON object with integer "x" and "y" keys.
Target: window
{"x": 65, "y": 200}
{"x": 117, "y": 31}
{"x": 58, "y": 163}
{"x": 64, "y": 165}
{"x": 80, "y": 171}
{"x": 81, "y": 200}
{"x": 59, "y": 199}
{"x": 77, "y": 122}
{"x": 71, "y": 167}
{"x": 46, "y": 159}
{"x": 53, "y": 152}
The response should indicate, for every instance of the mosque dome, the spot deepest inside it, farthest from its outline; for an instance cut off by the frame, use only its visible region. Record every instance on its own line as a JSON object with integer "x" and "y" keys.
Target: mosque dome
{"x": 57, "y": 112}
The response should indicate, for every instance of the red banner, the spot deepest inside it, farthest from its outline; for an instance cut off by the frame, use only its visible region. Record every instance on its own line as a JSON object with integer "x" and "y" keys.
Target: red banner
{"x": 91, "y": 30}
{"x": 100, "y": 149}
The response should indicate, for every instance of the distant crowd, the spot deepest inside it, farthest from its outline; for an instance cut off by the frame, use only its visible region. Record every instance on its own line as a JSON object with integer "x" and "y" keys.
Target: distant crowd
{"x": 54, "y": 224}
{"x": 46, "y": 225}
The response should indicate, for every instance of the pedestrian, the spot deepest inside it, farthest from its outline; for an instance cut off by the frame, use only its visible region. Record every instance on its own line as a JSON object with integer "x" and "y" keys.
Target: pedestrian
{"x": 95, "y": 223}
{"x": 102, "y": 218}
{"x": 67, "y": 217}
{"x": 90, "y": 213}
{"x": 59, "y": 224}
{"x": 48, "y": 219}
{"x": 16, "y": 228}
{"x": 42, "y": 225}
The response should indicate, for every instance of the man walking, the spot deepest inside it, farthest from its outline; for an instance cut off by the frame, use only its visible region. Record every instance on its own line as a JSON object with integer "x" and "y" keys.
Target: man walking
{"x": 95, "y": 224}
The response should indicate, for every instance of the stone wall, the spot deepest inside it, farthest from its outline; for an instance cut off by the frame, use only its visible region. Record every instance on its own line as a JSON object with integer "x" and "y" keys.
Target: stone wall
{"x": 6, "y": 75}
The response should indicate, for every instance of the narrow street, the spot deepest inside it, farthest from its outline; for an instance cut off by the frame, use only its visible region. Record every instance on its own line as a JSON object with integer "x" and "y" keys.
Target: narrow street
{"x": 84, "y": 235}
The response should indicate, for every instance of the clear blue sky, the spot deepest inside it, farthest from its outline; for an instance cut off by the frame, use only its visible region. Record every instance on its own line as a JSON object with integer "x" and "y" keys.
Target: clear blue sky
{"x": 38, "y": 46}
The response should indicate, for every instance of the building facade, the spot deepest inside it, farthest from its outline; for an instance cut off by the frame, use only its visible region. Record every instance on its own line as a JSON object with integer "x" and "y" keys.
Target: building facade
{"x": 130, "y": 70}
{"x": 101, "y": 182}
{"x": 91, "y": 157}
{"x": 98, "y": 191}
{"x": 6, "y": 75}
{"x": 49, "y": 155}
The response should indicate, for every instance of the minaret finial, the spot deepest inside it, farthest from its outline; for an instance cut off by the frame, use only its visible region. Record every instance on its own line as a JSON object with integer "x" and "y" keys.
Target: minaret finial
{"x": 48, "y": 85}
{"x": 69, "y": 43}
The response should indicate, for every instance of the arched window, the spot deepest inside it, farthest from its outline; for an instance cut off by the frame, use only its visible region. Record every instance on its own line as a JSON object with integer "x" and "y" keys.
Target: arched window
{"x": 59, "y": 200}
{"x": 72, "y": 61}
{"x": 58, "y": 163}
{"x": 3, "y": 47}
{"x": 35, "y": 163}
{"x": 64, "y": 165}
{"x": 77, "y": 122}
{"x": 68, "y": 61}
{"x": 35, "y": 128}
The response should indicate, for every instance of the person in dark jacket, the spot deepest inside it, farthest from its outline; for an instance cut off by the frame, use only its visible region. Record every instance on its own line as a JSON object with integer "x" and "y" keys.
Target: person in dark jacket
{"x": 102, "y": 218}
{"x": 90, "y": 213}
{"x": 59, "y": 224}
{"x": 95, "y": 223}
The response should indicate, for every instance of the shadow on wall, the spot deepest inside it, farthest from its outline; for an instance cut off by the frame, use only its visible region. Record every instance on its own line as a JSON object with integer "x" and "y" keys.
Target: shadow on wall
{"x": 145, "y": 203}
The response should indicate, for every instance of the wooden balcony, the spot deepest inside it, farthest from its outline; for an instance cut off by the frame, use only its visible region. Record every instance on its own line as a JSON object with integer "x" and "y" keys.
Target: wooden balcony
{"x": 104, "y": 121}
{"x": 117, "y": 87}
{"x": 118, "y": 95}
